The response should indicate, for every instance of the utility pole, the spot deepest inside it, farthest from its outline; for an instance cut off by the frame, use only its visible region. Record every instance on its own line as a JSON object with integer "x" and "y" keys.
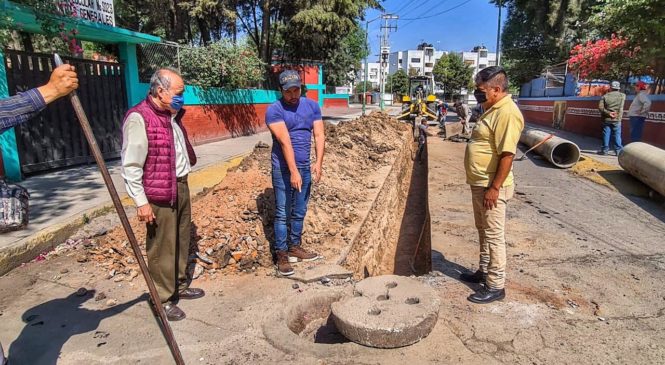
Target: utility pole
{"x": 385, "y": 53}
{"x": 498, "y": 38}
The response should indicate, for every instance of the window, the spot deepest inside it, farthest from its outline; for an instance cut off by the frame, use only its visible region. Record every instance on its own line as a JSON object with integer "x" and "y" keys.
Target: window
{"x": 400, "y": 61}
{"x": 482, "y": 66}
{"x": 415, "y": 60}
{"x": 469, "y": 62}
{"x": 492, "y": 63}
{"x": 483, "y": 53}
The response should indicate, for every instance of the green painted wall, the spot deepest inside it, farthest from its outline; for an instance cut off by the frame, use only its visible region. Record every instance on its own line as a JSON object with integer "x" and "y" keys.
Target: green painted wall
{"x": 195, "y": 95}
{"x": 8, "y": 145}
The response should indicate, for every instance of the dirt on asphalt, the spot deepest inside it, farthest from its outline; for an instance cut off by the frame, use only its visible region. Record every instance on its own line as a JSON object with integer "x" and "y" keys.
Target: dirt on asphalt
{"x": 585, "y": 284}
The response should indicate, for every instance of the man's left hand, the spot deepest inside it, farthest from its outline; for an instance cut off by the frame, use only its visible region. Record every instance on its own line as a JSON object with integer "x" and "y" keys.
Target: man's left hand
{"x": 317, "y": 171}
{"x": 491, "y": 197}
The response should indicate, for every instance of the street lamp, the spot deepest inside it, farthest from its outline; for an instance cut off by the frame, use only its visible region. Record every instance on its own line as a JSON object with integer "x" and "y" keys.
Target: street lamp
{"x": 367, "y": 61}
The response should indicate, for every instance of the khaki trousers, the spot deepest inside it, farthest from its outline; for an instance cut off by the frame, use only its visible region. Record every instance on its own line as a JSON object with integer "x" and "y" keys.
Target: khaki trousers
{"x": 167, "y": 244}
{"x": 491, "y": 225}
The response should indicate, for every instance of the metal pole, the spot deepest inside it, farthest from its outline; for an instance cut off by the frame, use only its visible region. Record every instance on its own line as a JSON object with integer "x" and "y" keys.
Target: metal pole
{"x": 498, "y": 38}
{"x": 90, "y": 137}
{"x": 366, "y": 65}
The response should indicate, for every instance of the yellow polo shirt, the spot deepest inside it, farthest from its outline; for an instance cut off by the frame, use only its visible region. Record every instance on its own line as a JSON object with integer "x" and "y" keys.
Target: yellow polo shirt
{"x": 498, "y": 130}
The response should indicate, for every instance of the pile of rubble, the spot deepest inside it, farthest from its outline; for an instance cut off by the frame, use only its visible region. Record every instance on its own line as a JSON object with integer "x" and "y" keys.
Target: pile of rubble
{"x": 232, "y": 222}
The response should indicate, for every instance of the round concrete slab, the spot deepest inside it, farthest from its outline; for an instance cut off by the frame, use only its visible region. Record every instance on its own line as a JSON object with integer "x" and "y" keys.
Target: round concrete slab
{"x": 387, "y": 311}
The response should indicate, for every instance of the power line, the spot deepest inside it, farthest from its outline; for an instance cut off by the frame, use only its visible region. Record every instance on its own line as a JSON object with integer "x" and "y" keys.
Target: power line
{"x": 428, "y": 10}
{"x": 404, "y": 6}
{"x": 411, "y": 20}
{"x": 415, "y": 8}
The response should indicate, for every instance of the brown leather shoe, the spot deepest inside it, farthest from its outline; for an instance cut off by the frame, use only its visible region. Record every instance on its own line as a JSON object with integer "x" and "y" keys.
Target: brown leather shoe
{"x": 191, "y": 293}
{"x": 173, "y": 313}
{"x": 283, "y": 266}
{"x": 297, "y": 253}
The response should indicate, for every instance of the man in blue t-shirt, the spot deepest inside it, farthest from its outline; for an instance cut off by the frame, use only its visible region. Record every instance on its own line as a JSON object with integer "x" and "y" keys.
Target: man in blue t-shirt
{"x": 292, "y": 120}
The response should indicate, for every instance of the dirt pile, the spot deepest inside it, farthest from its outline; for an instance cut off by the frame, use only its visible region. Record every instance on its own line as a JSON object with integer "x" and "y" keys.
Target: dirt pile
{"x": 233, "y": 221}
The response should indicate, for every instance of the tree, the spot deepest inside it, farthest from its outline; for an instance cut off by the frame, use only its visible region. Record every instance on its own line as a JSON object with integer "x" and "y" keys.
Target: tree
{"x": 453, "y": 73}
{"x": 345, "y": 58}
{"x": 539, "y": 33}
{"x": 641, "y": 23}
{"x": 400, "y": 82}
{"x": 364, "y": 86}
{"x": 611, "y": 58}
{"x": 413, "y": 71}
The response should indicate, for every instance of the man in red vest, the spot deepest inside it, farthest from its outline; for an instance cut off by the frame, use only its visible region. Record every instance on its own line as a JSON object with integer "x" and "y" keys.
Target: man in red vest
{"x": 156, "y": 159}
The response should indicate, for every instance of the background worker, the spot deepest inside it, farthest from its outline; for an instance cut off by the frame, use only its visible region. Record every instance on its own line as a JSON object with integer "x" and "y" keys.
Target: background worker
{"x": 611, "y": 110}
{"x": 292, "y": 120}
{"x": 638, "y": 111}
{"x": 464, "y": 113}
{"x": 488, "y": 161}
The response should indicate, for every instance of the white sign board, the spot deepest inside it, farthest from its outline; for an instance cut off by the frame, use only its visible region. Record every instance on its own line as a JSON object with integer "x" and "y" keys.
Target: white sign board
{"x": 96, "y": 11}
{"x": 342, "y": 90}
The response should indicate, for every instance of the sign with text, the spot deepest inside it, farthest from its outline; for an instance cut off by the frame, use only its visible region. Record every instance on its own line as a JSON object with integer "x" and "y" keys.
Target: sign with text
{"x": 96, "y": 11}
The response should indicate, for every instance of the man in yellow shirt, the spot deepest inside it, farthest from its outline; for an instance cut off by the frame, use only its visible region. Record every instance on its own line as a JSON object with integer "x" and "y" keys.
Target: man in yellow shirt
{"x": 489, "y": 170}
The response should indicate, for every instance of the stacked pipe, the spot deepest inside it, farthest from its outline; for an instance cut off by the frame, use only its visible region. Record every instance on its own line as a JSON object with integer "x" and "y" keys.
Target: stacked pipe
{"x": 560, "y": 152}
{"x": 646, "y": 163}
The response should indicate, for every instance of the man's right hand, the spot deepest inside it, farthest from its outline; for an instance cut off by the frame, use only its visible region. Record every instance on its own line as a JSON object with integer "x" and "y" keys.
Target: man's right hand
{"x": 296, "y": 180}
{"x": 145, "y": 213}
{"x": 62, "y": 82}
{"x": 614, "y": 114}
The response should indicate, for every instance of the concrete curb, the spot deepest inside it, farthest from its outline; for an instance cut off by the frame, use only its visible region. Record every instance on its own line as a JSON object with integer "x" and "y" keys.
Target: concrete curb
{"x": 48, "y": 238}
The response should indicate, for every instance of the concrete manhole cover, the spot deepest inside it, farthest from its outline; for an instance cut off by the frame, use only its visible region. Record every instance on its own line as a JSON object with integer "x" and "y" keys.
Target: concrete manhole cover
{"x": 387, "y": 312}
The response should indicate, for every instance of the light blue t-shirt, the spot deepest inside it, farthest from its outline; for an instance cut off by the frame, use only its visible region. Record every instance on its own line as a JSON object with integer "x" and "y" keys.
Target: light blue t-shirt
{"x": 299, "y": 121}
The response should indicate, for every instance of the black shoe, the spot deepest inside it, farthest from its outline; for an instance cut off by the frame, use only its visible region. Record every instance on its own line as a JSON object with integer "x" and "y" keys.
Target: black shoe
{"x": 602, "y": 153}
{"x": 173, "y": 313}
{"x": 191, "y": 293}
{"x": 477, "y": 277}
{"x": 486, "y": 295}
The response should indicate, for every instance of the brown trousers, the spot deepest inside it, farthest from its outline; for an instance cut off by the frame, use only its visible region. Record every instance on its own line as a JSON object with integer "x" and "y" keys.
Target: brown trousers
{"x": 167, "y": 243}
{"x": 491, "y": 225}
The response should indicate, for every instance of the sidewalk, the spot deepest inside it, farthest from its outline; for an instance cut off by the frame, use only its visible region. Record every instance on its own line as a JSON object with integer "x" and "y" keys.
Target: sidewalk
{"x": 61, "y": 200}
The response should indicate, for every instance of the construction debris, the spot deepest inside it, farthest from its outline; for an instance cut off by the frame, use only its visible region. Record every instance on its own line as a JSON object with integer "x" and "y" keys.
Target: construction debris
{"x": 233, "y": 221}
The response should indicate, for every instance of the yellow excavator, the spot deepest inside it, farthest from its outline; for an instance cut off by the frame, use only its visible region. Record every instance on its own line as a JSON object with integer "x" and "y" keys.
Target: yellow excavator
{"x": 419, "y": 103}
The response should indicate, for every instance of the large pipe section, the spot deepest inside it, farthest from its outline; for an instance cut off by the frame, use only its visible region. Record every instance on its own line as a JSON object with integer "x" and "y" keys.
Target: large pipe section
{"x": 646, "y": 163}
{"x": 560, "y": 152}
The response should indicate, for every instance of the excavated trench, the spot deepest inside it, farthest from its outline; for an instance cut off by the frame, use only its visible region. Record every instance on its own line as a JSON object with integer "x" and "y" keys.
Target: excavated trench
{"x": 393, "y": 238}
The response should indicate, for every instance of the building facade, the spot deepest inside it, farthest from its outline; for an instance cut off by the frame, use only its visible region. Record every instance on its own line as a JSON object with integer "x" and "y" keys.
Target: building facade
{"x": 419, "y": 61}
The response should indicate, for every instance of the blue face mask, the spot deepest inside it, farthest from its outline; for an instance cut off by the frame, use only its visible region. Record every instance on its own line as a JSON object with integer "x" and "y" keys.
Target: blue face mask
{"x": 177, "y": 102}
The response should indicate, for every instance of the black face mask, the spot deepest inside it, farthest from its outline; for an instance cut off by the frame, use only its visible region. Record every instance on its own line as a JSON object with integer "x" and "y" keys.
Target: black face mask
{"x": 480, "y": 96}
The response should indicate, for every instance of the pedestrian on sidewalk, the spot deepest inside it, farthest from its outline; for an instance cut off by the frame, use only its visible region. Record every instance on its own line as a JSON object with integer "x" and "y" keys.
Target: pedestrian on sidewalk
{"x": 488, "y": 161}
{"x": 23, "y": 106}
{"x": 464, "y": 114}
{"x": 292, "y": 120}
{"x": 611, "y": 110}
{"x": 638, "y": 111}
{"x": 156, "y": 160}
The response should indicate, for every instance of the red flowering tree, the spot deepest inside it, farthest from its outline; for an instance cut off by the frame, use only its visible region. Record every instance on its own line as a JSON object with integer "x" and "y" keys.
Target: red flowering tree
{"x": 611, "y": 58}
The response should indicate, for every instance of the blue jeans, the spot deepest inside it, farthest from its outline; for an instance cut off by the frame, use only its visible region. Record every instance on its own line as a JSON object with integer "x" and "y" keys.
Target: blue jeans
{"x": 612, "y": 130}
{"x": 290, "y": 207}
{"x": 636, "y": 128}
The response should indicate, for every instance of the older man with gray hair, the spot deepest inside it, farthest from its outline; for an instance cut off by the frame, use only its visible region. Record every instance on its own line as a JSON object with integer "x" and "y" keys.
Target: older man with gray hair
{"x": 156, "y": 159}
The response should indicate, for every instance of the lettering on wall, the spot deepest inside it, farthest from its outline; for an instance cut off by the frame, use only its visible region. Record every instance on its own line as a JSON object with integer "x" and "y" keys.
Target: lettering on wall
{"x": 96, "y": 11}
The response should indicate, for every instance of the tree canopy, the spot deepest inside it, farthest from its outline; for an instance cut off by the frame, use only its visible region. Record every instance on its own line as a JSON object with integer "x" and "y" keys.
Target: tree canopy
{"x": 399, "y": 81}
{"x": 453, "y": 73}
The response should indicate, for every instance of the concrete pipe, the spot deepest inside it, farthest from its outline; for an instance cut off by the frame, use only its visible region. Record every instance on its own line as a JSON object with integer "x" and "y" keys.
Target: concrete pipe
{"x": 560, "y": 152}
{"x": 646, "y": 163}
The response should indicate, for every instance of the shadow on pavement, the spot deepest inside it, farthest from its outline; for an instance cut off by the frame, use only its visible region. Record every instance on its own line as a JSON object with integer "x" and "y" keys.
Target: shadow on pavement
{"x": 637, "y": 192}
{"x": 450, "y": 269}
{"x": 49, "y": 325}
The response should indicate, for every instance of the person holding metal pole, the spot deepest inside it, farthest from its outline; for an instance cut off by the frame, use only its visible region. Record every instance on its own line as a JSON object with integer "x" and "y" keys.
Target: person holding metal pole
{"x": 156, "y": 160}
{"x": 22, "y": 107}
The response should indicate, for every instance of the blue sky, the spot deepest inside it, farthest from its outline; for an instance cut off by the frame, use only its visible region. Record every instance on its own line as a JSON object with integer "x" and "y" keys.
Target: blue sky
{"x": 470, "y": 23}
